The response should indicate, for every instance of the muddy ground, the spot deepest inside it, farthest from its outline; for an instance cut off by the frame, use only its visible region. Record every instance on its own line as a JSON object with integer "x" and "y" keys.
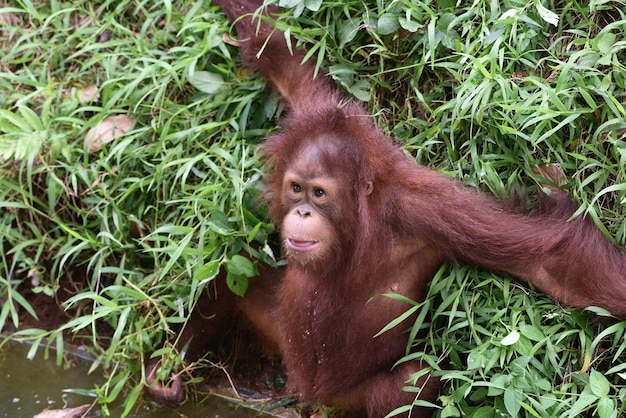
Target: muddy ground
{"x": 257, "y": 379}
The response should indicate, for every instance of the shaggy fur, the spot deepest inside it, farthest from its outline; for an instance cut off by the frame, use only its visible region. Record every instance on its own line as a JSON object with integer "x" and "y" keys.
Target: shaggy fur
{"x": 389, "y": 224}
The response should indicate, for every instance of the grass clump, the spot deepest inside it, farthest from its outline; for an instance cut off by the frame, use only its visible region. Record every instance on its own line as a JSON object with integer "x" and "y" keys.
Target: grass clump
{"x": 125, "y": 229}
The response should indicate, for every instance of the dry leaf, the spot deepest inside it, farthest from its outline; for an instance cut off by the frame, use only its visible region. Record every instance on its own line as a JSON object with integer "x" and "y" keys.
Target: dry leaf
{"x": 230, "y": 41}
{"x": 106, "y": 131}
{"x": 88, "y": 94}
{"x": 83, "y": 94}
{"x": 551, "y": 177}
{"x": 80, "y": 411}
{"x": 7, "y": 20}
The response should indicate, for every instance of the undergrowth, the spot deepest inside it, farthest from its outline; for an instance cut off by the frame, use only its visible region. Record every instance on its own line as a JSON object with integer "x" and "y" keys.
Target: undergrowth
{"x": 125, "y": 230}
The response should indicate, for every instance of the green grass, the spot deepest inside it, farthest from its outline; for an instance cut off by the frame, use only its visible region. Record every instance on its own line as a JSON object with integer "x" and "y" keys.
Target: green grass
{"x": 482, "y": 90}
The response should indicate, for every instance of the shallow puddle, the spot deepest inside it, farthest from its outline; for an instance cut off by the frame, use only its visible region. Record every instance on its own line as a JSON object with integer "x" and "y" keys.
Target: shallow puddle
{"x": 27, "y": 387}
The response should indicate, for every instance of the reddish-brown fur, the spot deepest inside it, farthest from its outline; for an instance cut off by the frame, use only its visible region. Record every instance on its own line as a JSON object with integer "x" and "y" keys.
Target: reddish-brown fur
{"x": 387, "y": 224}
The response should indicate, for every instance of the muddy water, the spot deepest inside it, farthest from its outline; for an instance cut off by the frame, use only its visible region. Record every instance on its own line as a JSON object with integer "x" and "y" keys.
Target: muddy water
{"x": 28, "y": 387}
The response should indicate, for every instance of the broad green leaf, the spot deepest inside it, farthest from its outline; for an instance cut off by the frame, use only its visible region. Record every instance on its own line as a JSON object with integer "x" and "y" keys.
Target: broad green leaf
{"x": 585, "y": 399}
{"x": 546, "y": 14}
{"x": 532, "y": 333}
{"x": 387, "y": 23}
{"x": 510, "y": 339}
{"x": 606, "y": 407}
{"x": 241, "y": 266}
{"x": 598, "y": 384}
{"x": 604, "y": 41}
{"x": 207, "y": 271}
{"x": 409, "y": 25}
{"x": 347, "y": 31}
{"x": 512, "y": 400}
{"x": 237, "y": 283}
{"x": 313, "y": 5}
{"x": 206, "y": 82}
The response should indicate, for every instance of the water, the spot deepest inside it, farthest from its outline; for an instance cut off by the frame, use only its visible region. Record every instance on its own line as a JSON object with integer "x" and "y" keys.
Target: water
{"x": 27, "y": 387}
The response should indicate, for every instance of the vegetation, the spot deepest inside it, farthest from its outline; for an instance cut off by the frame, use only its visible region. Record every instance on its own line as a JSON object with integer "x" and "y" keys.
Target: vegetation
{"x": 128, "y": 172}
